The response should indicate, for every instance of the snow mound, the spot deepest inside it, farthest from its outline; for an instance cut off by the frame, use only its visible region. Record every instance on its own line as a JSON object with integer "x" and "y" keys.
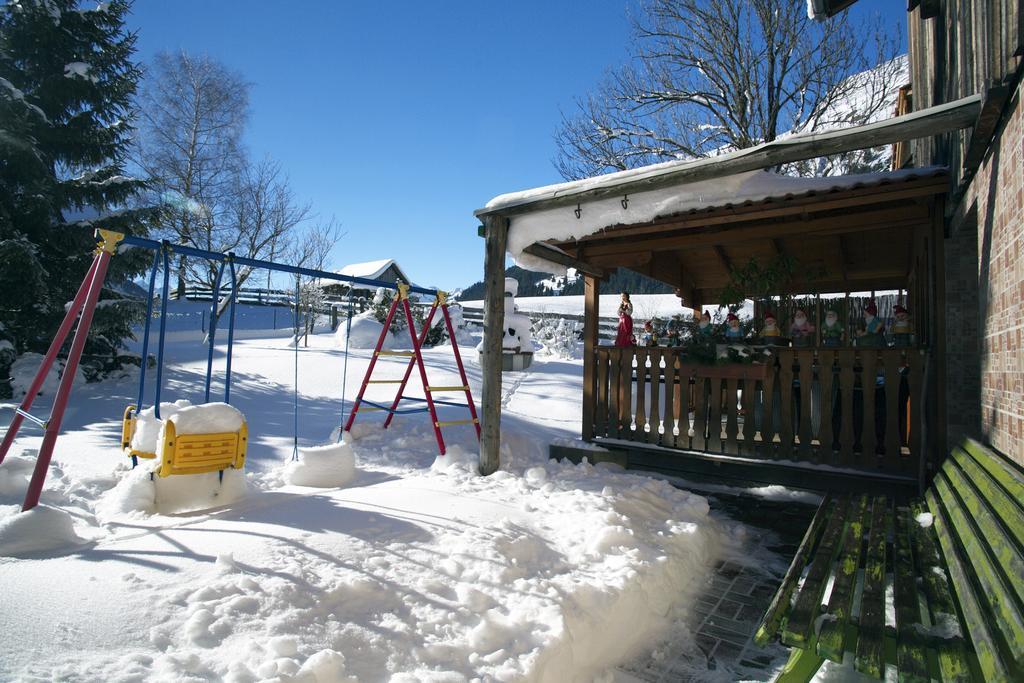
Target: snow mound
{"x": 208, "y": 418}
{"x": 24, "y": 370}
{"x": 322, "y": 466}
{"x": 366, "y": 331}
{"x": 139, "y": 494}
{"x": 147, "y": 426}
{"x": 457, "y": 458}
{"x": 15, "y": 471}
{"x": 40, "y": 529}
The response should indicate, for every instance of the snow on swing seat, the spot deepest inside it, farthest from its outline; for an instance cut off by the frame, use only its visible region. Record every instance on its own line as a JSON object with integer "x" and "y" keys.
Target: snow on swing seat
{"x": 188, "y": 439}
{"x": 205, "y": 438}
{"x": 140, "y": 433}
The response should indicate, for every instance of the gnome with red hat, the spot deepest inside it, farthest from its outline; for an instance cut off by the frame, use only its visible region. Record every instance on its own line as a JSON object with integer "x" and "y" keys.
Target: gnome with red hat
{"x": 801, "y": 330}
{"x": 770, "y": 333}
{"x": 733, "y": 331}
{"x": 901, "y": 329}
{"x": 874, "y": 328}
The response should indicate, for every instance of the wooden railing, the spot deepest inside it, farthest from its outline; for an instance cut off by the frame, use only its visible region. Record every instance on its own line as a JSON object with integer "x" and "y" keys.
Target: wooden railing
{"x": 803, "y": 405}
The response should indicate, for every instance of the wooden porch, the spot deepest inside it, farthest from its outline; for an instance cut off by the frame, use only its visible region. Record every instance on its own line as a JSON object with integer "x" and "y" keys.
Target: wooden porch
{"x": 867, "y": 413}
{"x": 804, "y": 406}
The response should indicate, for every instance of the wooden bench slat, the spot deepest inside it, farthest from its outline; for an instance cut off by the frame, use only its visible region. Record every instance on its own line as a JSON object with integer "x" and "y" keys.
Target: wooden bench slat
{"x": 911, "y": 657}
{"x": 1006, "y": 474}
{"x": 797, "y": 631}
{"x": 989, "y": 659}
{"x": 773, "y": 616}
{"x": 869, "y": 651}
{"x": 982, "y": 498}
{"x": 1004, "y": 506}
{"x": 831, "y": 637}
{"x": 1005, "y": 617}
{"x": 952, "y": 654}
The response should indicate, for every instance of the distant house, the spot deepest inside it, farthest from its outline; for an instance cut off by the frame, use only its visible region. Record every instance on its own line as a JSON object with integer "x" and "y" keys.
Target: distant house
{"x": 386, "y": 270}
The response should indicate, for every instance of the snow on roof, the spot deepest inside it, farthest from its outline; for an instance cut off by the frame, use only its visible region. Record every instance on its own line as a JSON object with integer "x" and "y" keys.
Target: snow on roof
{"x": 562, "y": 223}
{"x": 370, "y": 270}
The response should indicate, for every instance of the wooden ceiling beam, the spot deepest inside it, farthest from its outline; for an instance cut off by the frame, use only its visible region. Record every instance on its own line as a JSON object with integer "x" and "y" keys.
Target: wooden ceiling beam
{"x": 723, "y": 258}
{"x": 631, "y": 261}
{"x": 895, "y": 194}
{"x": 904, "y": 217}
{"x": 552, "y": 253}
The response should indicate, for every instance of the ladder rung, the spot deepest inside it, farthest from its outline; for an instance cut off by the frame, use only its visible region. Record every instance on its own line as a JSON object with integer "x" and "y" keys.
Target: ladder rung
{"x": 449, "y": 423}
{"x": 396, "y": 353}
{"x": 447, "y": 388}
{"x": 383, "y": 381}
{"x": 369, "y": 409}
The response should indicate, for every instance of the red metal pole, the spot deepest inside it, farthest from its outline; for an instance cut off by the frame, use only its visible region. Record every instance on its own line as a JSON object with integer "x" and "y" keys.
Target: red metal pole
{"x": 408, "y": 368}
{"x": 462, "y": 369}
{"x": 423, "y": 376}
{"x": 60, "y": 401}
{"x": 373, "y": 362}
{"x": 48, "y": 360}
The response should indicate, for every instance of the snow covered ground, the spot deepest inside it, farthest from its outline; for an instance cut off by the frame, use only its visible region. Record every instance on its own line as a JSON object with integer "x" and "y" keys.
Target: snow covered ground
{"x": 417, "y": 569}
{"x": 388, "y": 563}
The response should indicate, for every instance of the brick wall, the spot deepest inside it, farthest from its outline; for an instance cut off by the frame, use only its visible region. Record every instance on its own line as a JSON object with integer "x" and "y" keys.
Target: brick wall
{"x": 992, "y": 215}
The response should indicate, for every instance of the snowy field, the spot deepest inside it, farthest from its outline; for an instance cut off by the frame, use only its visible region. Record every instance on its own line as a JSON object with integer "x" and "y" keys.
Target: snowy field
{"x": 644, "y": 305}
{"x": 389, "y": 563}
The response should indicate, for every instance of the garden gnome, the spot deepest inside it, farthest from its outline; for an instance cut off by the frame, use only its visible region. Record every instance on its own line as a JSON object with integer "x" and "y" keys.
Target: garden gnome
{"x": 733, "y": 331}
{"x": 704, "y": 326}
{"x": 625, "y": 333}
{"x": 901, "y": 329}
{"x": 801, "y": 329}
{"x": 832, "y": 332}
{"x": 771, "y": 327}
{"x": 648, "y": 337}
{"x": 672, "y": 332}
{"x": 871, "y": 335}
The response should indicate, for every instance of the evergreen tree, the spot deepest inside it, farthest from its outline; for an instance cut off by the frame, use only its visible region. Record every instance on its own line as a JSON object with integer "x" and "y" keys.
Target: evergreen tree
{"x": 66, "y": 86}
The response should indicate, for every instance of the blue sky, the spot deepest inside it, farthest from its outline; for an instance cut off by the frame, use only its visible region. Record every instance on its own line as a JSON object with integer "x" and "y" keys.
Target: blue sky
{"x": 401, "y": 118}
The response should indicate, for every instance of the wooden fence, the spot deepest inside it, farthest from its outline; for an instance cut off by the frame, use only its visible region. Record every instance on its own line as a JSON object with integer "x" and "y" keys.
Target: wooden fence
{"x": 805, "y": 405}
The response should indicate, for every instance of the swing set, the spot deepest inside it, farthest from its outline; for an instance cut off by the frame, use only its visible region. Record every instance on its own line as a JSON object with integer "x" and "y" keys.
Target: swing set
{"x": 210, "y": 452}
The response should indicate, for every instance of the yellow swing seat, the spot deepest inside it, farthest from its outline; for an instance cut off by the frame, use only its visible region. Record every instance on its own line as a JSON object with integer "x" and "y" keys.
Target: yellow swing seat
{"x": 128, "y": 425}
{"x": 199, "y": 453}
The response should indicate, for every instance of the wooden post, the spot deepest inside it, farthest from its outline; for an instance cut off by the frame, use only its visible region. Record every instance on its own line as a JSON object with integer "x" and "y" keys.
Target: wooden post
{"x": 940, "y": 447}
{"x": 495, "y": 237}
{"x": 591, "y": 311}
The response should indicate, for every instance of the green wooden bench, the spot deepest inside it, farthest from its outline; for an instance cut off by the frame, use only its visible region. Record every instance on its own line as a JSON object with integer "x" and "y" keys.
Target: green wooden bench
{"x": 948, "y": 570}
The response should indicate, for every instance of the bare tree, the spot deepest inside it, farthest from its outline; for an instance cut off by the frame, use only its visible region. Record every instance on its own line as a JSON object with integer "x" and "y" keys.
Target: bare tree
{"x": 264, "y": 215}
{"x": 313, "y": 250}
{"x": 192, "y": 112}
{"x": 709, "y": 76}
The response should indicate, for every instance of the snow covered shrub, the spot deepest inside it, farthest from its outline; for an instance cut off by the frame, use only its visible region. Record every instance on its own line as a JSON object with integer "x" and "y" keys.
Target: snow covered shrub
{"x": 380, "y": 306}
{"x": 437, "y": 334}
{"x": 7, "y": 356}
{"x": 559, "y": 336}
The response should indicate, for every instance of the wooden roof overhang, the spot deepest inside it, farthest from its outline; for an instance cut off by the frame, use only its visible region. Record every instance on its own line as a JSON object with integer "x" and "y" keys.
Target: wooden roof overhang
{"x": 853, "y": 239}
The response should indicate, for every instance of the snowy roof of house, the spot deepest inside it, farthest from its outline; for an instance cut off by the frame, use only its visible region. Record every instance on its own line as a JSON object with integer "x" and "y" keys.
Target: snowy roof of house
{"x": 741, "y": 189}
{"x": 371, "y": 270}
{"x": 686, "y": 175}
